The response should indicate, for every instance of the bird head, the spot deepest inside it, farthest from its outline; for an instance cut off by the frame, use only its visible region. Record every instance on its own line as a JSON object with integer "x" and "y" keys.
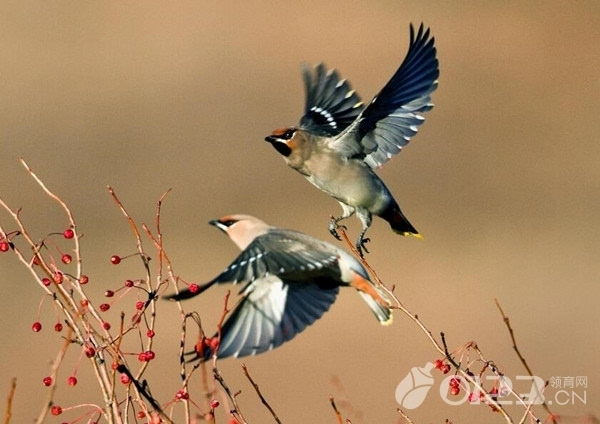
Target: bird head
{"x": 241, "y": 229}
{"x": 284, "y": 140}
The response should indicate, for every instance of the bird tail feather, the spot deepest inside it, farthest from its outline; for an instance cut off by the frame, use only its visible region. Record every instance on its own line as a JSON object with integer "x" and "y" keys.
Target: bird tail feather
{"x": 382, "y": 312}
{"x": 399, "y": 223}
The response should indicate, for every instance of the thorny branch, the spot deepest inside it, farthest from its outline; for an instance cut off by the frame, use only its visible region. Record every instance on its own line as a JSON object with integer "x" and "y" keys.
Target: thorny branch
{"x": 80, "y": 314}
{"x": 442, "y": 349}
{"x": 85, "y": 333}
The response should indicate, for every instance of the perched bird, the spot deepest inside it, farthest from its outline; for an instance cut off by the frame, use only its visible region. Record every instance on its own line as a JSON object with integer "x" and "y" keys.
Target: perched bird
{"x": 339, "y": 142}
{"x": 291, "y": 281}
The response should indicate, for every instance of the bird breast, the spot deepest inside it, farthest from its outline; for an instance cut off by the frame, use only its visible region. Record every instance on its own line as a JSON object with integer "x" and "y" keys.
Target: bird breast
{"x": 349, "y": 181}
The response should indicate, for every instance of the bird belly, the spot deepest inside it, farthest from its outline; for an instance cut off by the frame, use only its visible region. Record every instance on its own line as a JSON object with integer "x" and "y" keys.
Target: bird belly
{"x": 353, "y": 184}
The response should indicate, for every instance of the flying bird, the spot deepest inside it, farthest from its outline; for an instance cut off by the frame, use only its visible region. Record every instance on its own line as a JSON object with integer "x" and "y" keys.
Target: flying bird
{"x": 339, "y": 142}
{"x": 291, "y": 279}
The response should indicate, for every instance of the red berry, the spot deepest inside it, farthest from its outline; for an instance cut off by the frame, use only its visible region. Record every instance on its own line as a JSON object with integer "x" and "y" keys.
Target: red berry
{"x": 214, "y": 404}
{"x": 4, "y": 246}
{"x": 446, "y": 368}
{"x": 56, "y": 410}
{"x": 106, "y": 325}
{"x": 114, "y": 365}
{"x": 36, "y": 260}
{"x": 194, "y": 288}
{"x": 128, "y": 283}
{"x": 139, "y": 305}
{"x": 104, "y": 307}
{"x": 182, "y": 395}
{"x": 125, "y": 379}
{"x": 146, "y": 356}
{"x": 115, "y": 260}
{"x": 36, "y": 326}
{"x": 214, "y": 343}
{"x": 58, "y": 277}
{"x": 454, "y": 390}
{"x": 454, "y": 381}
{"x": 141, "y": 414}
{"x": 109, "y": 293}
{"x": 84, "y": 279}
{"x": 46, "y": 281}
{"x": 494, "y": 393}
{"x": 66, "y": 259}
{"x": 72, "y": 381}
{"x": 150, "y": 333}
{"x": 58, "y": 327}
{"x": 68, "y": 233}
{"x": 47, "y": 381}
{"x": 89, "y": 351}
{"x": 438, "y": 363}
{"x": 83, "y": 303}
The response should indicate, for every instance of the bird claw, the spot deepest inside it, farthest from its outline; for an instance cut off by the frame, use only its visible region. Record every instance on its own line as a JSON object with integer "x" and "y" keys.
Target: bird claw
{"x": 361, "y": 245}
{"x": 334, "y": 226}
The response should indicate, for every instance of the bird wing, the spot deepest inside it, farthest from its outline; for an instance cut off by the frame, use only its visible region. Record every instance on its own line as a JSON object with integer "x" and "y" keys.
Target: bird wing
{"x": 391, "y": 119}
{"x": 284, "y": 253}
{"x": 331, "y": 104}
{"x": 272, "y": 312}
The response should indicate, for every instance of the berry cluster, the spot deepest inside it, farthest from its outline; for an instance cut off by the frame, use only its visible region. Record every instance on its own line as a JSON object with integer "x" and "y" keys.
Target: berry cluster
{"x": 63, "y": 282}
{"x": 442, "y": 365}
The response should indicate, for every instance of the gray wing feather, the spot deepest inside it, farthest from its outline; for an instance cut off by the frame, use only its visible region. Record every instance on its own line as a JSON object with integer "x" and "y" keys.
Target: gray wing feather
{"x": 391, "y": 119}
{"x": 273, "y": 311}
{"x": 284, "y": 253}
{"x": 331, "y": 104}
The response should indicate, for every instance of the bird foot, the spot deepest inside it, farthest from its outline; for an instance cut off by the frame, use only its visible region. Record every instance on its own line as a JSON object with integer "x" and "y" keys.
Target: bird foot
{"x": 361, "y": 245}
{"x": 334, "y": 226}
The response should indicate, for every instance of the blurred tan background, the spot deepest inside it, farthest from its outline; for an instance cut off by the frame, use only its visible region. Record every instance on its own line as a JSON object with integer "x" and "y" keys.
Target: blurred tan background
{"x": 503, "y": 181}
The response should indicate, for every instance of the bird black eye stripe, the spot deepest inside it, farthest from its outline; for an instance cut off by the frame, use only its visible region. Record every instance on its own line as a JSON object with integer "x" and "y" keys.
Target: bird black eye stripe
{"x": 288, "y": 134}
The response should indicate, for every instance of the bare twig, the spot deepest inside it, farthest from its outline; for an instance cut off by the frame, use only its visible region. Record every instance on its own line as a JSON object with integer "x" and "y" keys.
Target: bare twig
{"x": 70, "y": 308}
{"x": 143, "y": 390}
{"x": 235, "y": 412}
{"x": 338, "y": 415}
{"x": 522, "y": 358}
{"x": 401, "y": 412}
{"x": 260, "y": 395}
{"x": 55, "y": 366}
{"x": 512, "y": 337}
{"x": 9, "y": 400}
{"x": 134, "y": 228}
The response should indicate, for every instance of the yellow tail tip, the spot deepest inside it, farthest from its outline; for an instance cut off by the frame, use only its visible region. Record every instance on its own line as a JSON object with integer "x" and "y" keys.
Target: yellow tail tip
{"x": 415, "y": 235}
{"x": 389, "y": 321}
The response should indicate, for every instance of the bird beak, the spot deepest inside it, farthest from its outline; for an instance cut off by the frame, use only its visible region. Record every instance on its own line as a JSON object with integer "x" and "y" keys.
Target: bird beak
{"x": 280, "y": 145}
{"x": 218, "y": 224}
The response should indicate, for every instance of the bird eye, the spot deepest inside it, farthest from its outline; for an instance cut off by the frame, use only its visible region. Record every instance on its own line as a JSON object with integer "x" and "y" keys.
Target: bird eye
{"x": 228, "y": 222}
{"x": 288, "y": 134}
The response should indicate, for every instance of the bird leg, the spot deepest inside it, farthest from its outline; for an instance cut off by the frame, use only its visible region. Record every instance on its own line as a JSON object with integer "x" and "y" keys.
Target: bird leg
{"x": 347, "y": 211}
{"x": 361, "y": 243}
